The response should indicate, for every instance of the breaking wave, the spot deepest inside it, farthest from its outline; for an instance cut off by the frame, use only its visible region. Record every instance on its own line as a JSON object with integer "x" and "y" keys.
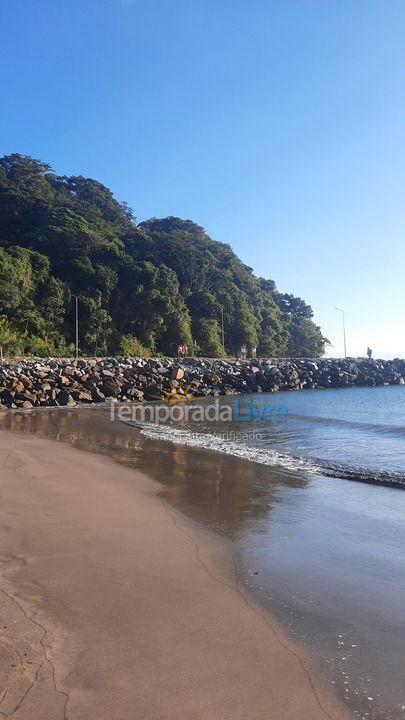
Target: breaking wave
{"x": 267, "y": 456}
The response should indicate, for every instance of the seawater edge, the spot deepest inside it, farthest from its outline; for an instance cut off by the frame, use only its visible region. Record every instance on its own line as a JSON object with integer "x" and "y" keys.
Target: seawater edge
{"x": 92, "y": 436}
{"x": 239, "y": 499}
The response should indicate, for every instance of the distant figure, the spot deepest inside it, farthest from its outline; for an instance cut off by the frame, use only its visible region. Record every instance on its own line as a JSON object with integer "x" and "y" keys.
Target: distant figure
{"x": 243, "y": 352}
{"x": 185, "y": 350}
{"x": 180, "y": 351}
{"x": 254, "y": 350}
{"x": 369, "y": 353}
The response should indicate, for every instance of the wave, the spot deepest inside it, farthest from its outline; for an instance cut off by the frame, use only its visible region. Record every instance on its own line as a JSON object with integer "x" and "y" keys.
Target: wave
{"x": 266, "y": 456}
{"x": 380, "y": 428}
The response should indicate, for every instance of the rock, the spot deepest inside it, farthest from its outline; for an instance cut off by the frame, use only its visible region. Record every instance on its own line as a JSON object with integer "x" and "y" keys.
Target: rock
{"x": 97, "y": 395}
{"x": 177, "y": 373}
{"x": 65, "y": 399}
{"x": 110, "y": 389}
{"x": 214, "y": 379}
{"x": 81, "y": 395}
{"x": 62, "y": 382}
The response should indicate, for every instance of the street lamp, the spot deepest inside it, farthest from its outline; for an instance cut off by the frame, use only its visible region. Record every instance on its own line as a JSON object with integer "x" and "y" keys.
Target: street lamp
{"x": 222, "y": 325}
{"x": 77, "y": 324}
{"x": 344, "y": 327}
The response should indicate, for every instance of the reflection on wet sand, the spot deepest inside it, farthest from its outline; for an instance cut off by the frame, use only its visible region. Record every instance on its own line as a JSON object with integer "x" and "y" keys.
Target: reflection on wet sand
{"x": 326, "y": 556}
{"x": 222, "y": 491}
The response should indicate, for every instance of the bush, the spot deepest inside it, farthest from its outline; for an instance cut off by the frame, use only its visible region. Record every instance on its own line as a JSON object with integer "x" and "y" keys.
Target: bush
{"x": 10, "y": 342}
{"x": 130, "y": 346}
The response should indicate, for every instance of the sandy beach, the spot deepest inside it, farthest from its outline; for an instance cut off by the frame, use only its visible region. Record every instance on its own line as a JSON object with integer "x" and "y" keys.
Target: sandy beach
{"x": 114, "y": 605}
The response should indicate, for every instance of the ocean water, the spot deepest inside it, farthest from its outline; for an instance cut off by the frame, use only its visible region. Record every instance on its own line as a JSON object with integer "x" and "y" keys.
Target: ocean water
{"x": 353, "y": 433}
{"x": 324, "y": 555}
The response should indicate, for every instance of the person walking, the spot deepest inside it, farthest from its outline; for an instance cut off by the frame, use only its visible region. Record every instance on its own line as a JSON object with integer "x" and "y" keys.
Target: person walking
{"x": 185, "y": 350}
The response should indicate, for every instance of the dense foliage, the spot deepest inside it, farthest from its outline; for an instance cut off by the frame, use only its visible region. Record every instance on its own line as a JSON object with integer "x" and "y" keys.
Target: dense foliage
{"x": 142, "y": 288}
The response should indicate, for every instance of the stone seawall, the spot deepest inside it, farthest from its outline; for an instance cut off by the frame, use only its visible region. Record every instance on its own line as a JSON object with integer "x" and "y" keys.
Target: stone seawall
{"x": 53, "y": 382}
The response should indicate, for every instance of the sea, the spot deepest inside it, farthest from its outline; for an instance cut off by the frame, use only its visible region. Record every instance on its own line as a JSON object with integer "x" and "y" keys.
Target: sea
{"x": 353, "y": 433}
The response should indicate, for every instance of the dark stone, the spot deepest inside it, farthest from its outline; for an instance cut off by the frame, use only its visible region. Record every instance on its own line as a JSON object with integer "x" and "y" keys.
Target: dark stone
{"x": 64, "y": 398}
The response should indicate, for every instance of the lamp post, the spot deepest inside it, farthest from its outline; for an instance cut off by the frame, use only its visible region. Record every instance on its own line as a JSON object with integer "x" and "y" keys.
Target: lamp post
{"x": 222, "y": 325}
{"x": 344, "y": 327}
{"x": 77, "y": 324}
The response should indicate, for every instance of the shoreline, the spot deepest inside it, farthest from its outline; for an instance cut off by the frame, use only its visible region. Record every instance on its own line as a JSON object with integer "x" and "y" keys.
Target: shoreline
{"x": 183, "y": 619}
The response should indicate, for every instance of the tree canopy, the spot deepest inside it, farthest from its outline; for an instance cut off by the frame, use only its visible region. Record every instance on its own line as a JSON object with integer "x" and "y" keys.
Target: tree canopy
{"x": 143, "y": 287}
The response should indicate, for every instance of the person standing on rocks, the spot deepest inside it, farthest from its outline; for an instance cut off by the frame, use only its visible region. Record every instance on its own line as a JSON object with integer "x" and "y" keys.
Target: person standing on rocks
{"x": 243, "y": 352}
{"x": 180, "y": 351}
{"x": 185, "y": 350}
{"x": 254, "y": 351}
{"x": 369, "y": 353}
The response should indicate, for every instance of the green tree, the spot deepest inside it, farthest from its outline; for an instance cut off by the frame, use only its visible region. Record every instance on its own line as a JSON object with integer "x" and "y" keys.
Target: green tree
{"x": 163, "y": 282}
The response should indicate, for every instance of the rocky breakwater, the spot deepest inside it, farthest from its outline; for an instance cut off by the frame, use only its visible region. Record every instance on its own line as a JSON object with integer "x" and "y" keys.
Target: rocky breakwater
{"x": 53, "y": 382}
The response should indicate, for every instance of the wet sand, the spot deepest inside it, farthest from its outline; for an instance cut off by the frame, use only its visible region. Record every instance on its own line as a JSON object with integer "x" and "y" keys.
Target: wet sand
{"x": 115, "y": 605}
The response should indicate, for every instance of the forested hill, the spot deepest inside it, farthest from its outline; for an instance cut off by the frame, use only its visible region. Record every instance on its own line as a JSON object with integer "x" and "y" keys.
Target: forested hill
{"x": 141, "y": 287}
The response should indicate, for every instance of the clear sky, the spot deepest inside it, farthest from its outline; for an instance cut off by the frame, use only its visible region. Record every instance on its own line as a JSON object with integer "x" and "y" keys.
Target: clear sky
{"x": 278, "y": 126}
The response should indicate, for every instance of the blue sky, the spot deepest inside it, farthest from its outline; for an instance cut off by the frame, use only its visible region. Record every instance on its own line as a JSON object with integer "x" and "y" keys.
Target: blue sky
{"x": 278, "y": 126}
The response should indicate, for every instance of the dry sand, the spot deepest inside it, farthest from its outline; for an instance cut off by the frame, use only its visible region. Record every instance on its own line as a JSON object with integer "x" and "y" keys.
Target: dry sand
{"x": 115, "y": 607}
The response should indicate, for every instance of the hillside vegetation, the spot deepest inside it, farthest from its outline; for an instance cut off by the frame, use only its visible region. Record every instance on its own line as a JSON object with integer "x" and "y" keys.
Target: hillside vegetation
{"x": 142, "y": 288}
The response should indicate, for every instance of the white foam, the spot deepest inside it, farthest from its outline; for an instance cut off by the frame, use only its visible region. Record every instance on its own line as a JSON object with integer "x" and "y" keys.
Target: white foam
{"x": 217, "y": 443}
